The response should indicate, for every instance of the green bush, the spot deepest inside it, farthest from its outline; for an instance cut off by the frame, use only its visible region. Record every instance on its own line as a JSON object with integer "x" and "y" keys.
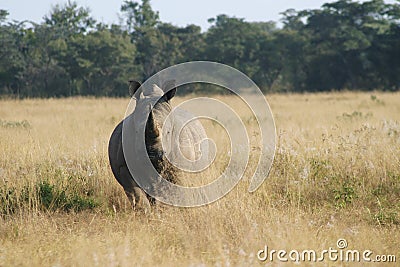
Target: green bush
{"x": 55, "y": 198}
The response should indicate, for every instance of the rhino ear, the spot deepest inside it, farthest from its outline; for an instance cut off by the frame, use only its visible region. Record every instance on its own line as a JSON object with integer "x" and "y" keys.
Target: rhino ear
{"x": 133, "y": 87}
{"x": 152, "y": 126}
{"x": 170, "y": 88}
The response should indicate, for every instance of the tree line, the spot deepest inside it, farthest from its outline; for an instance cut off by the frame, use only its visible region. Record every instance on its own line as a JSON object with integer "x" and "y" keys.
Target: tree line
{"x": 342, "y": 45}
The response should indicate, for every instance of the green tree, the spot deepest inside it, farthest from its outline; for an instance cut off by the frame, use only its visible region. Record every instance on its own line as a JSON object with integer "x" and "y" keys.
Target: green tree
{"x": 107, "y": 74}
{"x": 47, "y": 70}
{"x": 343, "y": 44}
{"x": 11, "y": 54}
{"x": 249, "y": 47}
{"x": 141, "y": 22}
{"x": 68, "y": 20}
{"x": 344, "y": 39}
{"x": 41, "y": 75}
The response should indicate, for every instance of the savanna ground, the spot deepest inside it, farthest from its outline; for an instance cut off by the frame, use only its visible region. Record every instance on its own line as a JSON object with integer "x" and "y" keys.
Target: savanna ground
{"x": 336, "y": 175}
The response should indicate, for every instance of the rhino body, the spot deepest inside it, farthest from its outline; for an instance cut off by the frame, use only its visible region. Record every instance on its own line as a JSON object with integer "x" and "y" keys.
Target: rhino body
{"x": 168, "y": 138}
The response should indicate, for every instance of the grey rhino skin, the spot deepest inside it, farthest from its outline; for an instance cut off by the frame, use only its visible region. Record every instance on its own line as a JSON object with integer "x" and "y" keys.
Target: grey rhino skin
{"x": 137, "y": 197}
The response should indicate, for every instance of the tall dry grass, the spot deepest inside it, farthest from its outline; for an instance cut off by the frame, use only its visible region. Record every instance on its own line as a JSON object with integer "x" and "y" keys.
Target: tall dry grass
{"x": 336, "y": 175}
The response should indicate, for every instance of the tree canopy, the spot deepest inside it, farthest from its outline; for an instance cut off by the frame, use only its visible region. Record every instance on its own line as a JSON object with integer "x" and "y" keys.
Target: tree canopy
{"x": 342, "y": 45}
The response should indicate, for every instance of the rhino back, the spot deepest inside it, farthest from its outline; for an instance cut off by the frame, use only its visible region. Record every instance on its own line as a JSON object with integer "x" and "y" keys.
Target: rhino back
{"x": 189, "y": 133}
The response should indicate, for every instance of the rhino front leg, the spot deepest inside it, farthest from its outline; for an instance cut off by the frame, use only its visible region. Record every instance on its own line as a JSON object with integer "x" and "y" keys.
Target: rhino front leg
{"x": 138, "y": 199}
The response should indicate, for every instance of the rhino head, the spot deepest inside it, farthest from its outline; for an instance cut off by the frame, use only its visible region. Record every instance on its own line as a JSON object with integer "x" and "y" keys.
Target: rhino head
{"x": 158, "y": 129}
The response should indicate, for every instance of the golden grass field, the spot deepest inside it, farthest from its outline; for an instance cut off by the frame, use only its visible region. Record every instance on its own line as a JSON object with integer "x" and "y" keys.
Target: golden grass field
{"x": 336, "y": 175}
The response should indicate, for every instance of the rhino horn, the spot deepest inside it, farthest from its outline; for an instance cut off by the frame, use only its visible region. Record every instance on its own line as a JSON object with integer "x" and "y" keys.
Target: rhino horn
{"x": 152, "y": 126}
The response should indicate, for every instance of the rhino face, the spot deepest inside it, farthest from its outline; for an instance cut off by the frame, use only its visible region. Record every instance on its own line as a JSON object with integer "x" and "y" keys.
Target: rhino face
{"x": 154, "y": 124}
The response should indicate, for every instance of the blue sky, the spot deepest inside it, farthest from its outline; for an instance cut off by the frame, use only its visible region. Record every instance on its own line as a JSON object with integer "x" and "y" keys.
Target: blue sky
{"x": 177, "y": 12}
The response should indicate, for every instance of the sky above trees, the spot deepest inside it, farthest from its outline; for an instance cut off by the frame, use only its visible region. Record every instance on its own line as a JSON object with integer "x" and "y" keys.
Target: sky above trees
{"x": 177, "y": 12}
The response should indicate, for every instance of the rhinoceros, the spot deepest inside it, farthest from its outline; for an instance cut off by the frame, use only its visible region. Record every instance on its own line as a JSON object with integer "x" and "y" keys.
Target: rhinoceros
{"x": 166, "y": 143}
